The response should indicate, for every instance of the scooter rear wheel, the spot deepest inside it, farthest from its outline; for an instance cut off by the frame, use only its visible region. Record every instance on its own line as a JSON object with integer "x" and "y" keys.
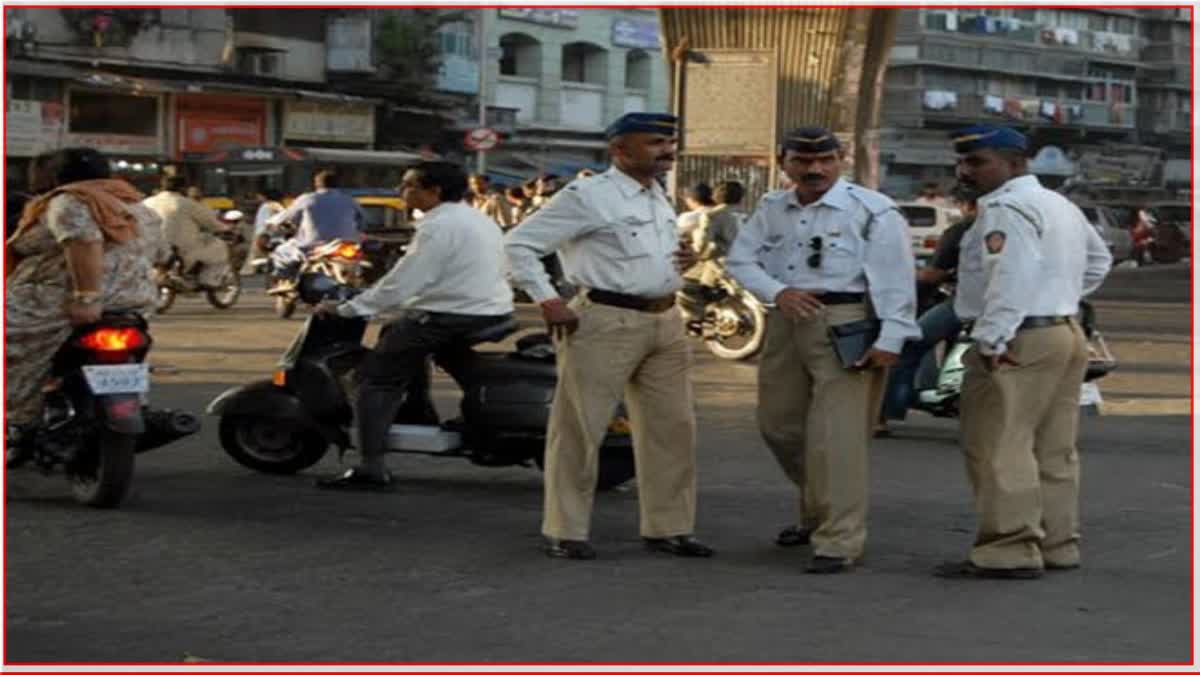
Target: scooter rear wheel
{"x": 103, "y": 478}
{"x": 270, "y": 445}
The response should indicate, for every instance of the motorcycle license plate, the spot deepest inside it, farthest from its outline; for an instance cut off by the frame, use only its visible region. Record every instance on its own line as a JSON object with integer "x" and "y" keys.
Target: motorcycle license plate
{"x": 131, "y": 378}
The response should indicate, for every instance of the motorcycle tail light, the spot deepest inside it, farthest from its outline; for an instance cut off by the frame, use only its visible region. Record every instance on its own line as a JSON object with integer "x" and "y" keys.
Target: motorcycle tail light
{"x": 113, "y": 340}
{"x": 279, "y": 378}
{"x": 931, "y": 242}
{"x": 348, "y": 251}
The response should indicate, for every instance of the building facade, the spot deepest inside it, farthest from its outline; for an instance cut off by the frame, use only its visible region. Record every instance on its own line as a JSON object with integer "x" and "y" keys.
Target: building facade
{"x": 1102, "y": 93}
{"x": 563, "y": 75}
{"x": 165, "y": 89}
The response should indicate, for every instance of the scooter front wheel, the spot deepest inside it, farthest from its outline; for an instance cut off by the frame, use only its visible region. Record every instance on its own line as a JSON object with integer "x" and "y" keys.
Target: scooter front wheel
{"x": 284, "y": 306}
{"x": 270, "y": 445}
{"x": 166, "y": 298}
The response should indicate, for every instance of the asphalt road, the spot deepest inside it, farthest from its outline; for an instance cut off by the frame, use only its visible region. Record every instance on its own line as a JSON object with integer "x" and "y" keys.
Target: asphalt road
{"x": 208, "y": 560}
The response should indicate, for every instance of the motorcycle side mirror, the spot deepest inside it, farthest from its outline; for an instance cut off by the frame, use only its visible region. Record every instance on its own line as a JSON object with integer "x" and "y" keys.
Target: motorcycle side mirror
{"x": 315, "y": 287}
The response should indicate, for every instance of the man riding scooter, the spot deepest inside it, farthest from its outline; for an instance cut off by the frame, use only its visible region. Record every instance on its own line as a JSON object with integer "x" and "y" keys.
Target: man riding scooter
{"x": 450, "y": 284}
{"x": 325, "y": 214}
{"x": 938, "y": 322}
{"x": 188, "y": 226}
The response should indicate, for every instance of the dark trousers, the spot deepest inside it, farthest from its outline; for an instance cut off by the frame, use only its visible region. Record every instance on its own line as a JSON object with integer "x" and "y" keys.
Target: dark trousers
{"x": 401, "y": 357}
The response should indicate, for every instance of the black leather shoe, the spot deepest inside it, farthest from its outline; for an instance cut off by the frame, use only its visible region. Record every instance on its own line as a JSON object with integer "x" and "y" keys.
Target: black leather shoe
{"x": 793, "y": 535}
{"x": 969, "y": 570}
{"x": 569, "y": 549}
{"x": 684, "y": 545}
{"x": 357, "y": 479}
{"x": 823, "y": 564}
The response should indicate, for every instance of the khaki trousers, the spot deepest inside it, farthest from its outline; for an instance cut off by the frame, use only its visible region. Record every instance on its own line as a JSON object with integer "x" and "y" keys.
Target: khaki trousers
{"x": 644, "y": 358}
{"x": 817, "y": 417}
{"x": 1019, "y": 428}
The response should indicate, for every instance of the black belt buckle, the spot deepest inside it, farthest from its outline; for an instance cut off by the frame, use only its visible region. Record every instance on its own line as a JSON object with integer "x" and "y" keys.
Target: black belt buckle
{"x": 1042, "y": 321}
{"x": 635, "y": 302}
{"x": 840, "y": 298}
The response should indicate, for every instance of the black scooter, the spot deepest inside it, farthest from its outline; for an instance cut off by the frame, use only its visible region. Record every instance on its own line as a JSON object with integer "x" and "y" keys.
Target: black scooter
{"x": 287, "y": 423}
{"x": 93, "y": 417}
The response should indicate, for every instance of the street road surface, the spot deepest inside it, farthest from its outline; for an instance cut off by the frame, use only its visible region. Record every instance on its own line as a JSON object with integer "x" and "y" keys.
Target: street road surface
{"x": 209, "y": 560}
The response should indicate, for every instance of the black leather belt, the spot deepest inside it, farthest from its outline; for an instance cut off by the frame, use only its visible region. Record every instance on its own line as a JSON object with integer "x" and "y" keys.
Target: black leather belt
{"x": 841, "y": 298}
{"x": 637, "y": 302}
{"x": 1042, "y": 321}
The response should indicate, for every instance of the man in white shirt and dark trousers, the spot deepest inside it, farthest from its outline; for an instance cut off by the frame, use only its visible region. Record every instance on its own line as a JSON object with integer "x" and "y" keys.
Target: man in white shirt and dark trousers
{"x": 450, "y": 283}
{"x": 826, "y": 253}
{"x": 621, "y": 336}
{"x": 1025, "y": 263}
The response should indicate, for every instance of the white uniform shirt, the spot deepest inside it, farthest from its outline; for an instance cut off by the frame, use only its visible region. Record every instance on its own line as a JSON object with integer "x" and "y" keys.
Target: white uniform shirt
{"x": 611, "y": 232}
{"x": 454, "y": 265}
{"x": 773, "y": 247}
{"x": 1043, "y": 256}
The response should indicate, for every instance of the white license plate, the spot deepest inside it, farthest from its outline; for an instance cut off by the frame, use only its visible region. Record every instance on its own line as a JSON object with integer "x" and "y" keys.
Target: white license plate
{"x": 132, "y": 378}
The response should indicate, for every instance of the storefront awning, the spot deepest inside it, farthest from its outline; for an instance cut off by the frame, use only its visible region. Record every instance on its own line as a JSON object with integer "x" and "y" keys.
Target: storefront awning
{"x": 338, "y": 155}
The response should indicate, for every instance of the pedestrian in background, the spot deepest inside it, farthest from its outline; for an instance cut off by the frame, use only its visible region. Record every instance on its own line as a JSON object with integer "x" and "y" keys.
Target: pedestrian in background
{"x": 1025, "y": 264}
{"x": 827, "y": 253}
{"x": 620, "y": 337}
{"x": 698, "y": 199}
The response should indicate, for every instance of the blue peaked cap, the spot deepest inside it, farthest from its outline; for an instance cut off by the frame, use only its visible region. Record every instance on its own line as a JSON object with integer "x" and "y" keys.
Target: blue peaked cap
{"x": 980, "y": 136}
{"x": 643, "y": 122}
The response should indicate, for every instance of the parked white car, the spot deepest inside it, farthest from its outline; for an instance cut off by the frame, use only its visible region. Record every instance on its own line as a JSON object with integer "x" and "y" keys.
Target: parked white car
{"x": 927, "y": 222}
{"x": 1119, "y": 239}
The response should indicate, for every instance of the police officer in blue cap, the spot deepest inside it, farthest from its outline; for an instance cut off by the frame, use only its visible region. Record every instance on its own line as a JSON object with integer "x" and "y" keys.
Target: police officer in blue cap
{"x": 827, "y": 253}
{"x": 622, "y": 336}
{"x": 1025, "y": 264}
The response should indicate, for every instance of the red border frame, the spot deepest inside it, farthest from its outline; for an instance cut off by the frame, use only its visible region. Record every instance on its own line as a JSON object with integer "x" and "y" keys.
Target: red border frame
{"x": 546, "y": 666}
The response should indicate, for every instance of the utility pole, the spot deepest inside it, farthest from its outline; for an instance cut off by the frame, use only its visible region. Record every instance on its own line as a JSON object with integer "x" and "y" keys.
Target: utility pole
{"x": 482, "y": 49}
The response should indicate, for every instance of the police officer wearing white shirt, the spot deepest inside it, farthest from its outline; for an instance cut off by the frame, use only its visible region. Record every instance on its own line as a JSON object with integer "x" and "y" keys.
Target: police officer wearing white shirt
{"x": 1025, "y": 264}
{"x": 825, "y": 253}
{"x": 450, "y": 283}
{"x": 621, "y": 336}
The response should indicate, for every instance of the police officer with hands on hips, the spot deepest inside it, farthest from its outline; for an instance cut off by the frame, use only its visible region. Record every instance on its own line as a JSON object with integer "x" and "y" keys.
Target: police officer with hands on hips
{"x": 621, "y": 336}
{"x": 449, "y": 284}
{"x": 1024, "y": 265}
{"x": 826, "y": 253}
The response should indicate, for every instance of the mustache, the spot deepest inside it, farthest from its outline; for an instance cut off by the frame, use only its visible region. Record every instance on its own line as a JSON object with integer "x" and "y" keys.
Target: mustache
{"x": 812, "y": 177}
{"x": 670, "y": 156}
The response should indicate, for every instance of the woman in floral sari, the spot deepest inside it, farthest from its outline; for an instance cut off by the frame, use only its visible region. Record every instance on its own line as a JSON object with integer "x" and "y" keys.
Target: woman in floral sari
{"x": 85, "y": 247}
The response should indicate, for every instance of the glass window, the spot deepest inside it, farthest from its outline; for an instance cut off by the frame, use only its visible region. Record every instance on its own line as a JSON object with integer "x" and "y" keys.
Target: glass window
{"x": 1025, "y": 14}
{"x": 1124, "y": 24}
{"x": 1047, "y": 88}
{"x": 103, "y": 113}
{"x": 1097, "y": 22}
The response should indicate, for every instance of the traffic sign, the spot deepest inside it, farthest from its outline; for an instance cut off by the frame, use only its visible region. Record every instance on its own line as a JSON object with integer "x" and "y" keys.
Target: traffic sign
{"x": 482, "y": 138}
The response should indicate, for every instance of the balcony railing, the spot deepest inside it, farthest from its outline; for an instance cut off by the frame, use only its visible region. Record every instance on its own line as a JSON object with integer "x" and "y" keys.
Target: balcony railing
{"x": 916, "y": 103}
{"x": 1165, "y": 121}
{"x": 1026, "y": 33}
{"x": 1167, "y": 53}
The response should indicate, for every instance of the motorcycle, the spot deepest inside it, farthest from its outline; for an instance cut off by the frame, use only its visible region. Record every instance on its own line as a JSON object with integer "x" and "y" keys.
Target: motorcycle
{"x": 287, "y": 423}
{"x": 733, "y": 323}
{"x": 939, "y": 382}
{"x": 93, "y": 418}
{"x": 172, "y": 279}
{"x": 341, "y": 260}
